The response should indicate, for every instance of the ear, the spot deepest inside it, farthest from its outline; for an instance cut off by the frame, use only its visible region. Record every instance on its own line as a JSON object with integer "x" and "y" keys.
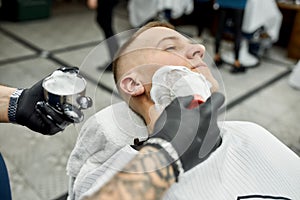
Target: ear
{"x": 132, "y": 86}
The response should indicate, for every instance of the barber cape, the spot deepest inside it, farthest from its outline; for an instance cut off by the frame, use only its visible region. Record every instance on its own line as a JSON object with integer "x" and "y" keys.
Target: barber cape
{"x": 249, "y": 164}
{"x": 265, "y": 14}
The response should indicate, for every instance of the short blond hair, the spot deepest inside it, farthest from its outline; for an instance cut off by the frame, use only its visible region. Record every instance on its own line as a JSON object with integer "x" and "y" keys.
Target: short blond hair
{"x": 116, "y": 71}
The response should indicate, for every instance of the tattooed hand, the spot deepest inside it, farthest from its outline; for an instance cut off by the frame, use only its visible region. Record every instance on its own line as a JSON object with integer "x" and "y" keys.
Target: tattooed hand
{"x": 138, "y": 180}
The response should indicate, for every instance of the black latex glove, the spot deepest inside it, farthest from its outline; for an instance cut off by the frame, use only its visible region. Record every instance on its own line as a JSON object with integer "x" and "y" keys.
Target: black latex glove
{"x": 27, "y": 114}
{"x": 190, "y": 131}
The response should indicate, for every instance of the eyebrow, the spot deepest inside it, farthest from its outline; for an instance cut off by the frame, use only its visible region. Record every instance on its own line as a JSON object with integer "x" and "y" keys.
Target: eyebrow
{"x": 167, "y": 38}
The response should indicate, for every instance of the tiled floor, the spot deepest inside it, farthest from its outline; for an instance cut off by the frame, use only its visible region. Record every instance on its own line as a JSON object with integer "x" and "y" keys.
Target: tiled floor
{"x": 31, "y": 50}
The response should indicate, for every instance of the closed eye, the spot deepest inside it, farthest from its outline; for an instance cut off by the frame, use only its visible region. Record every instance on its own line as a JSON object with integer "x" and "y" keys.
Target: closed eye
{"x": 170, "y": 48}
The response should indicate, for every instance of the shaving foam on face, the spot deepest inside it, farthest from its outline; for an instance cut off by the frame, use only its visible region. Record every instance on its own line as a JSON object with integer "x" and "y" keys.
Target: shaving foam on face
{"x": 170, "y": 82}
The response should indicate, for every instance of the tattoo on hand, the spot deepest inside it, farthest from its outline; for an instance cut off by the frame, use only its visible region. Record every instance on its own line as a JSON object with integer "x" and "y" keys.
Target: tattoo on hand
{"x": 147, "y": 176}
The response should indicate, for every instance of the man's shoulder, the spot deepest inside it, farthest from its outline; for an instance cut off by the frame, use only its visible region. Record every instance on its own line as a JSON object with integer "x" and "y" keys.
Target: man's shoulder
{"x": 252, "y": 135}
{"x": 246, "y": 131}
{"x": 248, "y": 123}
{"x": 242, "y": 126}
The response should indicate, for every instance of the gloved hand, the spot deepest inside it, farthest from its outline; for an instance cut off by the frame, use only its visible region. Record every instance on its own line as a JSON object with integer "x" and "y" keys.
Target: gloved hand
{"x": 35, "y": 119}
{"x": 190, "y": 131}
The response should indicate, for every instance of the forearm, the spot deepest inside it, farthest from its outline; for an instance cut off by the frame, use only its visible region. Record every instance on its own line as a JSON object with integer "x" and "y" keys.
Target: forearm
{"x": 147, "y": 176}
{"x": 5, "y": 93}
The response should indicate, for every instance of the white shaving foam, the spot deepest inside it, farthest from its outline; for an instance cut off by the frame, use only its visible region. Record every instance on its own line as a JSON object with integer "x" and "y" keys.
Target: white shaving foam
{"x": 61, "y": 83}
{"x": 170, "y": 82}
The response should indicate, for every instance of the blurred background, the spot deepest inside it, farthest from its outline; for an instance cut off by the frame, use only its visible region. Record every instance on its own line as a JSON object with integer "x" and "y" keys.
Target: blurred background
{"x": 38, "y": 36}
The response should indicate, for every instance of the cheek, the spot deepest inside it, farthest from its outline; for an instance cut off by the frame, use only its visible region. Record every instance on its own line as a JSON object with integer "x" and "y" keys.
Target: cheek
{"x": 166, "y": 58}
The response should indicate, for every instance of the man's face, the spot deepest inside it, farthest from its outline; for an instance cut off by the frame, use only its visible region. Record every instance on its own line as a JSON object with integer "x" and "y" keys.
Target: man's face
{"x": 160, "y": 46}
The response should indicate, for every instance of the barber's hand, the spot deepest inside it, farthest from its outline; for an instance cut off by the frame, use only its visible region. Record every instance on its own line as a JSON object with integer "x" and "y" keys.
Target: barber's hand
{"x": 190, "y": 131}
{"x": 27, "y": 114}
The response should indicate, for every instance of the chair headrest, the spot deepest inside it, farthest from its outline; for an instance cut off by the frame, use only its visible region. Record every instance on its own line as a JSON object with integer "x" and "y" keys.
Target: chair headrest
{"x": 121, "y": 124}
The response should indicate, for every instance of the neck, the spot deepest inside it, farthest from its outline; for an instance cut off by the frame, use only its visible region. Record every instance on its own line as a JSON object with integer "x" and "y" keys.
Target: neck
{"x": 143, "y": 106}
{"x": 150, "y": 116}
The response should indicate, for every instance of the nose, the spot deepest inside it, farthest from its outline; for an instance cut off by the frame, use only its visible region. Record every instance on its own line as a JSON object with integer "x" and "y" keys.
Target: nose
{"x": 195, "y": 50}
